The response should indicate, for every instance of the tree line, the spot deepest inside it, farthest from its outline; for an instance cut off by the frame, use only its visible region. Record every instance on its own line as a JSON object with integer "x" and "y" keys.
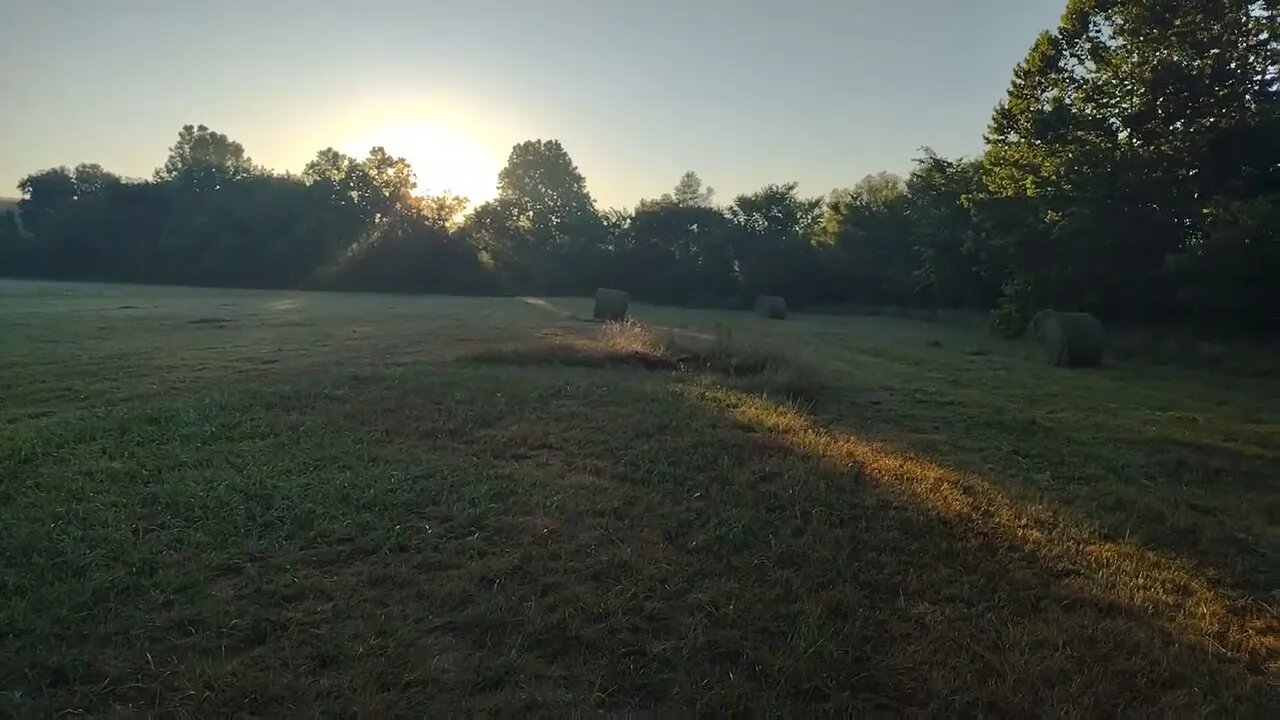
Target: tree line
{"x": 1131, "y": 171}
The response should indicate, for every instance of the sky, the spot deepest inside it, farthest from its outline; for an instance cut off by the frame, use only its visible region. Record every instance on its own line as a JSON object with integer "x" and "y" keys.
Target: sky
{"x": 745, "y": 92}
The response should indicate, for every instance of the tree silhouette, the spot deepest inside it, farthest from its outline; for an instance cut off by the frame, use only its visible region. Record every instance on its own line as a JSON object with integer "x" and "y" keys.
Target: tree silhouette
{"x": 204, "y": 160}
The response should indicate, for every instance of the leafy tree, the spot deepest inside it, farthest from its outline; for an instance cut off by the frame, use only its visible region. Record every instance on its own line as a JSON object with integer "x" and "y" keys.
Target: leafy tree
{"x": 1119, "y": 133}
{"x": 9, "y": 228}
{"x": 408, "y": 252}
{"x": 546, "y": 193}
{"x": 953, "y": 271}
{"x": 1228, "y": 278}
{"x": 336, "y": 174}
{"x": 542, "y": 232}
{"x": 204, "y": 160}
{"x": 14, "y": 247}
{"x": 104, "y": 234}
{"x": 678, "y": 253}
{"x": 870, "y": 229}
{"x": 676, "y": 248}
{"x": 389, "y": 181}
{"x": 91, "y": 179}
{"x": 689, "y": 192}
{"x": 263, "y": 231}
{"x": 443, "y": 211}
{"x": 772, "y": 240}
{"x": 43, "y": 193}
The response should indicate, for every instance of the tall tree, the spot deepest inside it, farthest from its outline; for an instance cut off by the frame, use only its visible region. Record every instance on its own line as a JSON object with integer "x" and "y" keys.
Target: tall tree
{"x": 43, "y": 193}
{"x": 676, "y": 253}
{"x": 390, "y": 181}
{"x": 92, "y": 179}
{"x": 1120, "y": 132}
{"x": 337, "y": 175}
{"x": 953, "y": 271}
{"x": 12, "y": 245}
{"x": 443, "y": 211}
{"x": 546, "y": 192}
{"x": 376, "y": 187}
{"x": 773, "y": 241}
{"x": 870, "y": 229}
{"x": 690, "y": 192}
{"x": 542, "y": 231}
{"x": 204, "y": 160}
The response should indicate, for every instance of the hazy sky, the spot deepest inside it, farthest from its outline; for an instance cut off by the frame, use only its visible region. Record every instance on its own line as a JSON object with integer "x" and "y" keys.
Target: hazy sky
{"x": 746, "y": 92}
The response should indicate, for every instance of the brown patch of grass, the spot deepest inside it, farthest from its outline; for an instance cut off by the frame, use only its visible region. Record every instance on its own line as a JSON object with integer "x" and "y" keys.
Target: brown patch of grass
{"x": 753, "y": 368}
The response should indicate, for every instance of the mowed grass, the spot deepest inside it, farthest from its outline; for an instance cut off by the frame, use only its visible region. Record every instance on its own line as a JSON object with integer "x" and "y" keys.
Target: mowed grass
{"x": 278, "y": 503}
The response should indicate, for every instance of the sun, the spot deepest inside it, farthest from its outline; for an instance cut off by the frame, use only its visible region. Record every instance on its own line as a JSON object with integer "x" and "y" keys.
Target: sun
{"x": 443, "y": 159}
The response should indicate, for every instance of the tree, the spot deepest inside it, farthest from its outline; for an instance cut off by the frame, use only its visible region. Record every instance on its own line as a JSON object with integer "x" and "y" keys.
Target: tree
{"x": 389, "y": 181}
{"x": 261, "y": 231}
{"x": 12, "y": 246}
{"x": 204, "y": 160}
{"x": 689, "y": 192}
{"x": 953, "y": 271}
{"x": 337, "y": 174}
{"x": 546, "y": 192}
{"x": 92, "y": 179}
{"x": 870, "y": 229}
{"x": 542, "y": 232}
{"x": 773, "y": 242}
{"x": 443, "y": 211}
{"x": 676, "y": 253}
{"x": 408, "y": 252}
{"x": 1119, "y": 134}
{"x": 43, "y": 193}
{"x": 9, "y": 228}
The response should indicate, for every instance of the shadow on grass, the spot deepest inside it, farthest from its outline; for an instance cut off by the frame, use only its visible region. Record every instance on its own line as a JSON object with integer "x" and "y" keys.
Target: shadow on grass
{"x": 504, "y": 539}
{"x": 1207, "y": 500}
{"x": 1120, "y": 454}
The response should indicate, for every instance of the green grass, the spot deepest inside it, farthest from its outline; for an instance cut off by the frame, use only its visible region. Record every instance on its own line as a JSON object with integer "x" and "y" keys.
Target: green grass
{"x": 218, "y": 502}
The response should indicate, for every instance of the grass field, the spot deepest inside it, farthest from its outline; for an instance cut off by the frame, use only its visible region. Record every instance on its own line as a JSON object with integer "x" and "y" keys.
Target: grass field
{"x": 220, "y": 501}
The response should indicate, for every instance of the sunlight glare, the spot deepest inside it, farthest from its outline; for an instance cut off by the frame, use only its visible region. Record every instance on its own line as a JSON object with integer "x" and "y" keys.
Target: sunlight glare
{"x": 443, "y": 159}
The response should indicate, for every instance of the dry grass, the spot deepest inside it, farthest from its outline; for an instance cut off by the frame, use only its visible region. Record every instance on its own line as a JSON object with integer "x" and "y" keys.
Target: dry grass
{"x": 331, "y": 505}
{"x": 754, "y": 368}
{"x": 1115, "y": 573}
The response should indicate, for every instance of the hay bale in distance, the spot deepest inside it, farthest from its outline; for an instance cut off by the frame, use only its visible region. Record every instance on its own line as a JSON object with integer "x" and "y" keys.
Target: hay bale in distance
{"x": 611, "y": 304}
{"x": 1068, "y": 339}
{"x": 772, "y": 307}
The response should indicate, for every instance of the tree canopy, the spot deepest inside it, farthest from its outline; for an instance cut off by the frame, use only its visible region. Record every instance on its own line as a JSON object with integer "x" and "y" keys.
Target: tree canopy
{"x": 204, "y": 160}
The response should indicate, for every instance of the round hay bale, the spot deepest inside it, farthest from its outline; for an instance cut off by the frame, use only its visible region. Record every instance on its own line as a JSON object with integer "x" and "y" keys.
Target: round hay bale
{"x": 611, "y": 304}
{"x": 772, "y": 307}
{"x": 1068, "y": 339}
